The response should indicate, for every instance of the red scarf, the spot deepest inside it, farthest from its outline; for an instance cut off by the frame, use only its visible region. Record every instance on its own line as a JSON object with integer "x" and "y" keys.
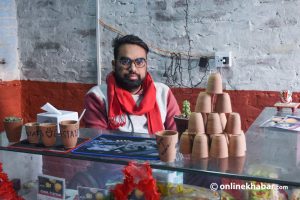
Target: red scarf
{"x": 120, "y": 102}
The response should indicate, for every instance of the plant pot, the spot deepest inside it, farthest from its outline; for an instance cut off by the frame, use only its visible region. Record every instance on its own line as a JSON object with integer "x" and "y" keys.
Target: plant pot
{"x": 13, "y": 130}
{"x": 181, "y": 124}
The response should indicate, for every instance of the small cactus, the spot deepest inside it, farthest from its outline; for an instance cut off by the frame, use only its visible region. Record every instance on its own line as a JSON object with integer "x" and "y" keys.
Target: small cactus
{"x": 186, "y": 108}
{"x": 12, "y": 119}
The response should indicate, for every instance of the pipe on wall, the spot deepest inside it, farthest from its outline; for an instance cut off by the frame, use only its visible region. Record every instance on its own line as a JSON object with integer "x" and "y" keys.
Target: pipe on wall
{"x": 98, "y": 43}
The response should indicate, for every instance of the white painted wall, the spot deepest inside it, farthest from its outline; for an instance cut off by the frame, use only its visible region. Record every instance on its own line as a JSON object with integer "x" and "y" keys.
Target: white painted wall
{"x": 8, "y": 41}
{"x": 57, "y": 39}
{"x": 262, "y": 35}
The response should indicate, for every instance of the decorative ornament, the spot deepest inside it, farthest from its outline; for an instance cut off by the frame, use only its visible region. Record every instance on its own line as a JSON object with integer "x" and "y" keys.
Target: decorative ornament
{"x": 137, "y": 176}
{"x": 285, "y": 96}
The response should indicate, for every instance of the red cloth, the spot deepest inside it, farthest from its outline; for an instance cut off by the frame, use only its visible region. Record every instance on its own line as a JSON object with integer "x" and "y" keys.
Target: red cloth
{"x": 120, "y": 102}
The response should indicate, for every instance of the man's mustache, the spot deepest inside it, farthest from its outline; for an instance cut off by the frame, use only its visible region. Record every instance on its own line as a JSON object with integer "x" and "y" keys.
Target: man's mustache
{"x": 129, "y": 74}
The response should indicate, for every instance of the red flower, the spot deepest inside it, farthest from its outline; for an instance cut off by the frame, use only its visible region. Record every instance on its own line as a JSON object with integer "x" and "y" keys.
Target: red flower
{"x": 7, "y": 191}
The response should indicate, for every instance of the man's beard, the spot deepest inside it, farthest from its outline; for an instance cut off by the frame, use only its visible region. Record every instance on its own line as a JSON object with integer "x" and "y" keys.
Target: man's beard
{"x": 126, "y": 83}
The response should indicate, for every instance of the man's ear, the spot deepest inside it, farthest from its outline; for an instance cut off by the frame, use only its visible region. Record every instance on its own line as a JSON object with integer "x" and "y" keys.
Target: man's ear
{"x": 113, "y": 65}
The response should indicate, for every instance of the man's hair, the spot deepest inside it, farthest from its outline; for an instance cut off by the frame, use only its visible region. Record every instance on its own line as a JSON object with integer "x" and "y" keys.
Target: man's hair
{"x": 128, "y": 39}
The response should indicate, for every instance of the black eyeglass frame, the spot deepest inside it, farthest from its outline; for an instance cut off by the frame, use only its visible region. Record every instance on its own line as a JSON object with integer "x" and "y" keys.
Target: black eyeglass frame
{"x": 127, "y": 62}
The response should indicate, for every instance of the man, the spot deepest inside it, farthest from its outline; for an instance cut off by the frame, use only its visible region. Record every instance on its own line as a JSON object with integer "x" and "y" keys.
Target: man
{"x": 131, "y": 101}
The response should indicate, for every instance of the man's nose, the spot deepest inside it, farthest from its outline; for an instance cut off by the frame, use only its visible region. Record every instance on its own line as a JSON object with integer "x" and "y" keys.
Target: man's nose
{"x": 132, "y": 67}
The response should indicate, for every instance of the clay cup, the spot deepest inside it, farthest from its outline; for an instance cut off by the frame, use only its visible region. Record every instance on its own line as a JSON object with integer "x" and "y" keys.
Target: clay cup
{"x": 200, "y": 146}
{"x": 196, "y": 124}
{"x": 233, "y": 125}
{"x": 69, "y": 130}
{"x": 219, "y": 147}
{"x": 32, "y": 132}
{"x": 214, "y": 84}
{"x": 237, "y": 145}
{"x": 185, "y": 144}
{"x": 223, "y": 103}
{"x": 203, "y": 103}
{"x": 166, "y": 142}
{"x": 214, "y": 124}
{"x": 48, "y": 133}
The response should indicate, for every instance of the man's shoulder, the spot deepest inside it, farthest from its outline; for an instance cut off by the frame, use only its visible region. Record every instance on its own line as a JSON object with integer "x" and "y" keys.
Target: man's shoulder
{"x": 161, "y": 86}
{"x": 98, "y": 90}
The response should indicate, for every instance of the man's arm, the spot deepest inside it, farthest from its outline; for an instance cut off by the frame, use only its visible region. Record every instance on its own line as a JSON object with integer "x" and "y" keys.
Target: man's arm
{"x": 96, "y": 115}
{"x": 172, "y": 110}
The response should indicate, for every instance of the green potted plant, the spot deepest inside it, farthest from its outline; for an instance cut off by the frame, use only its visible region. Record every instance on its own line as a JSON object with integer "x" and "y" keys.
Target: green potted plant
{"x": 13, "y": 128}
{"x": 182, "y": 120}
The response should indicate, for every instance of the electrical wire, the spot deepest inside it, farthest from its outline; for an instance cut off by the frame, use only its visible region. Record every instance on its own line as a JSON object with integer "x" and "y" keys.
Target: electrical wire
{"x": 174, "y": 72}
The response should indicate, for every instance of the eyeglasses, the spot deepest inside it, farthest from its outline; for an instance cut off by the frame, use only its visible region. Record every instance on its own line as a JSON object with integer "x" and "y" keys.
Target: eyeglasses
{"x": 127, "y": 62}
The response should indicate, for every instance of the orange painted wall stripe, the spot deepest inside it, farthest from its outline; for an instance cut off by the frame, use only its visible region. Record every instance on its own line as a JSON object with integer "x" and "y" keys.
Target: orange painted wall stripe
{"x": 10, "y": 100}
{"x": 24, "y": 98}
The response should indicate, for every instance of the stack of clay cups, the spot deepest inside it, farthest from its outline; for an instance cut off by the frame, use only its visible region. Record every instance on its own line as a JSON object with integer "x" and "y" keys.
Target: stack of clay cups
{"x": 217, "y": 133}
{"x": 237, "y": 140}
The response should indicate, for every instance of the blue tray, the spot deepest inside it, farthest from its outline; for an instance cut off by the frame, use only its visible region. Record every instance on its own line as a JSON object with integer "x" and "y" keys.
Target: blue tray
{"x": 117, "y": 146}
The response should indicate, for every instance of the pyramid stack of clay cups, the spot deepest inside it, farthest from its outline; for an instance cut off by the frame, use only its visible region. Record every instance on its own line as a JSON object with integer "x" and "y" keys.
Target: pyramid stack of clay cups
{"x": 216, "y": 127}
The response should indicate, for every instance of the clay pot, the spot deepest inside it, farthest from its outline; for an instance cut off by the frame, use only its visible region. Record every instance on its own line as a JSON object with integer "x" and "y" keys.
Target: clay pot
{"x": 32, "y": 132}
{"x": 214, "y": 84}
{"x": 185, "y": 144}
{"x": 214, "y": 124}
{"x": 181, "y": 124}
{"x": 196, "y": 123}
{"x": 69, "y": 130}
{"x": 166, "y": 142}
{"x": 223, "y": 120}
{"x": 233, "y": 125}
{"x": 48, "y": 133}
{"x": 223, "y": 103}
{"x": 13, "y": 130}
{"x": 237, "y": 145}
{"x": 219, "y": 147}
{"x": 203, "y": 103}
{"x": 200, "y": 146}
